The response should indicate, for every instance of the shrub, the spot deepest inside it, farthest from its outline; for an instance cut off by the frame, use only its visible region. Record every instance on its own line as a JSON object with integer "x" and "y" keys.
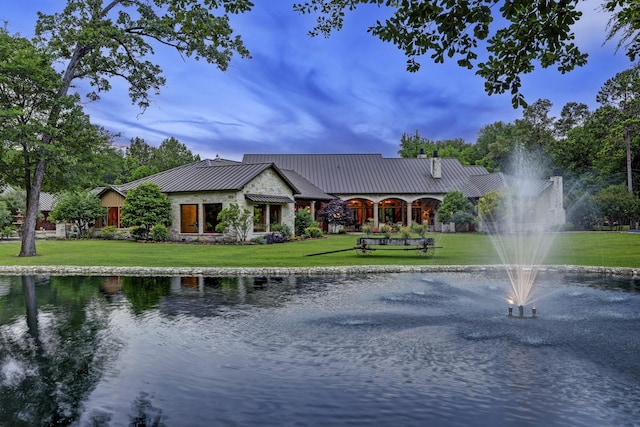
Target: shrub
{"x": 109, "y": 232}
{"x": 367, "y": 229}
{"x": 275, "y": 238}
{"x": 420, "y": 229}
{"x": 138, "y": 232}
{"x": 302, "y": 221}
{"x": 283, "y": 229}
{"x": 313, "y": 232}
{"x": 259, "y": 240}
{"x": 386, "y": 230}
{"x": 159, "y": 233}
{"x": 7, "y": 231}
{"x": 405, "y": 232}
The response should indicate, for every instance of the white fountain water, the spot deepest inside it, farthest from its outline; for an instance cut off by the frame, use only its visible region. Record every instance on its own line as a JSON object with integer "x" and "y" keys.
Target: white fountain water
{"x": 522, "y": 228}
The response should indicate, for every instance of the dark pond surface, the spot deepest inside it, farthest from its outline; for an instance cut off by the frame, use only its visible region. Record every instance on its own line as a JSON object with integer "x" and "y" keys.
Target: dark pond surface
{"x": 395, "y": 350}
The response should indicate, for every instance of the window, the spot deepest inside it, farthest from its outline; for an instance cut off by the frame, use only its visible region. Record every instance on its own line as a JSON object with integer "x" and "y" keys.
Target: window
{"x": 260, "y": 223}
{"x": 275, "y": 214}
{"x": 211, "y": 211}
{"x": 188, "y": 218}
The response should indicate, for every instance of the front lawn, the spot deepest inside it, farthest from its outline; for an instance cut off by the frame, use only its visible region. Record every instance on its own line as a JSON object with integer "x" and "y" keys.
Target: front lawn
{"x": 593, "y": 248}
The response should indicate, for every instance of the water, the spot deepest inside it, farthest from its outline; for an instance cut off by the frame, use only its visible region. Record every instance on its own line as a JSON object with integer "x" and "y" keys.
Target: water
{"x": 397, "y": 349}
{"x": 523, "y": 224}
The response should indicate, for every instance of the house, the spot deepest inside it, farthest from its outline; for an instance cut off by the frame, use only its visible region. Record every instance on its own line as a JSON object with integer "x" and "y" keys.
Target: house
{"x": 399, "y": 190}
{"x": 45, "y": 205}
{"x": 377, "y": 189}
{"x": 199, "y": 191}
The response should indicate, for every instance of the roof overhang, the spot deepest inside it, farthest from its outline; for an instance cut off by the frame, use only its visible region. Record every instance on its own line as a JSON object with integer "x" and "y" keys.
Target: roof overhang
{"x": 266, "y": 198}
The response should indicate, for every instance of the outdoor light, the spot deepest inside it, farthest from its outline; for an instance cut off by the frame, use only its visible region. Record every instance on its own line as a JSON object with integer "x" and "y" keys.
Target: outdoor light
{"x": 510, "y": 311}
{"x": 533, "y": 312}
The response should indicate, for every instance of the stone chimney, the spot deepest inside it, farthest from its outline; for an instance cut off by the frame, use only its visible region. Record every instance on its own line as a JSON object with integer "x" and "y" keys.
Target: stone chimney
{"x": 436, "y": 166}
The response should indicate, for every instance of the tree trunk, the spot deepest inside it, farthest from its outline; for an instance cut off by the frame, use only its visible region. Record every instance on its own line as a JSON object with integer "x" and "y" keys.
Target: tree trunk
{"x": 28, "y": 247}
{"x": 627, "y": 141}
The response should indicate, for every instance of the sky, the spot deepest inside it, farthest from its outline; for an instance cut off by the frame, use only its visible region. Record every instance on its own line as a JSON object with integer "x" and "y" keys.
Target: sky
{"x": 349, "y": 93}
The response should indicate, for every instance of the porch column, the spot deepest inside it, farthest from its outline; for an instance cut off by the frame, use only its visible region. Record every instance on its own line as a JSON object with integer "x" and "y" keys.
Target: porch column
{"x": 409, "y": 212}
{"x": 267, "y": 218}
{"x": 312, "y": 209}
{"x": 376, "y": 222}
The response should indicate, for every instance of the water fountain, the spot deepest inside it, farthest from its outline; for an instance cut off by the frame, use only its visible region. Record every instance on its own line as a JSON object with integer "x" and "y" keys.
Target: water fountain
{"x": 522, "y": 228}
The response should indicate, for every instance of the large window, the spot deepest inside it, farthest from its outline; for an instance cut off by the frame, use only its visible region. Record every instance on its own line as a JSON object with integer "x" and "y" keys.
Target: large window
{"x": 188, "y": 218}
{"x": 211, "y": 211}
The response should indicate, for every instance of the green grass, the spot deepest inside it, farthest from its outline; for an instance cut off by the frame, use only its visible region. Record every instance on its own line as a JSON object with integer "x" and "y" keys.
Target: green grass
{"x": 593, "y": 249}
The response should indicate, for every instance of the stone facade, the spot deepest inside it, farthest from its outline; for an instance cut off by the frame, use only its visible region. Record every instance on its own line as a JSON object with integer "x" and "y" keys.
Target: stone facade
{"x": 267, "y": 183}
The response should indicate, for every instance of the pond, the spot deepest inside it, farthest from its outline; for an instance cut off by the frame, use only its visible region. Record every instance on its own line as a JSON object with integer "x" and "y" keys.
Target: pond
{"x": 434, "y": 349}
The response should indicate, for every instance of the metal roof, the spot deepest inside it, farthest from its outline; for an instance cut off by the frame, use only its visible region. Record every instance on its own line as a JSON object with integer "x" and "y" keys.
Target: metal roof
{"x": 307, "y": 190}
{"x": 208, "y": 175}
{"x": 265, "y": 198}
{"x": 372, "y": 173}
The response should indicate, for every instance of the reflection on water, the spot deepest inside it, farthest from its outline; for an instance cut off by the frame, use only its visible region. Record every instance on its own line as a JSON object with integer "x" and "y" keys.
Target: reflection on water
{"x": 398, "y": 349}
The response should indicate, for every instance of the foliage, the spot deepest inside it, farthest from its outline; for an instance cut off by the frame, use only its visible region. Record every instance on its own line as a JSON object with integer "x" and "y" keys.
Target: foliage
{"x": 271, "y": 238}
{"x": 517, "y": 36}
{"x": 159, "y": 233}
{"x": 455, "y": 208}
{"x": 109, "y": 232}
{"x": 412, "y": 146}
{"x": 236, "y": 220}
{"x": 88, "y": 43}
{"x": 405, "y": 232}
{"x": 282, "y": 229}
{"x": 623, "y": 92}
{"x": 260, "y": 240}
{"x": 138, "y": 232}
{"x": 302, "y": 221}
{"x": 81, "y": 209}
{"x": 617, "y": 206}
{"x": 141, "y": 159}
{"x": 624, "y": 24}
{"x": 7, "y": 231}
{"x": 367, "y": 229}
{"x": 386, "y": 230}
{"x": 313, "y": 232}
{"x": 6, "y": 217}
{"x": 336, "y": 212}
{"x": 146, "y": 206}
{"x": 420, "y": 229}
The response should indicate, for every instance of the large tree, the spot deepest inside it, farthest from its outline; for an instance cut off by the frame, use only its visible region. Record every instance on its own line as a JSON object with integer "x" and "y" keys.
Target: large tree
{"x": 29, "y": 88}
{"x": 623, "y": 93}
{"x": 98, "y": 40}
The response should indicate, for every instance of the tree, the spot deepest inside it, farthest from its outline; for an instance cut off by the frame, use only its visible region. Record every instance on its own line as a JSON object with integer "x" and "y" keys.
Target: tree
{"x": 97, "y": 40}
{"x": 625, "y": 23}
{"x": 623, "y": 93}
{"x": 146, "y": 206}
{"x": 517, "y": 35}
{"x": 455, "y": 208}
{"x": 617, "y": 206}
{"x": 236, "y": 220}
{"x": 171, "y": 153}
{"x": 336, "y": 213}
{"x": 81, "y": 209}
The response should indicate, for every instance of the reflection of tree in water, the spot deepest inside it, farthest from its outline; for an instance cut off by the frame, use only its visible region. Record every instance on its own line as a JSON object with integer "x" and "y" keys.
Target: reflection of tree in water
{"x": 50, "y": 363}
{"x": 144, "y": 293}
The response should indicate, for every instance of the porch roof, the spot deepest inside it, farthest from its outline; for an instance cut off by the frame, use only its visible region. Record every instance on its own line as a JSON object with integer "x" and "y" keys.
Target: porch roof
{"x": 266, "y": 198}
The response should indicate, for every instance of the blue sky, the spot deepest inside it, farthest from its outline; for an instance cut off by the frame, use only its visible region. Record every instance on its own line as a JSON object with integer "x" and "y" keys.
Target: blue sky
{"x": 350, "y": 93}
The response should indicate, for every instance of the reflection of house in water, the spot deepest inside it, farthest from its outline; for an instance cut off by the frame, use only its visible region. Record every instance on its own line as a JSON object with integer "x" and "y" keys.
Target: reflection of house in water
{"x": 111, "y": 285}
{"x": 205, "y": 296}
